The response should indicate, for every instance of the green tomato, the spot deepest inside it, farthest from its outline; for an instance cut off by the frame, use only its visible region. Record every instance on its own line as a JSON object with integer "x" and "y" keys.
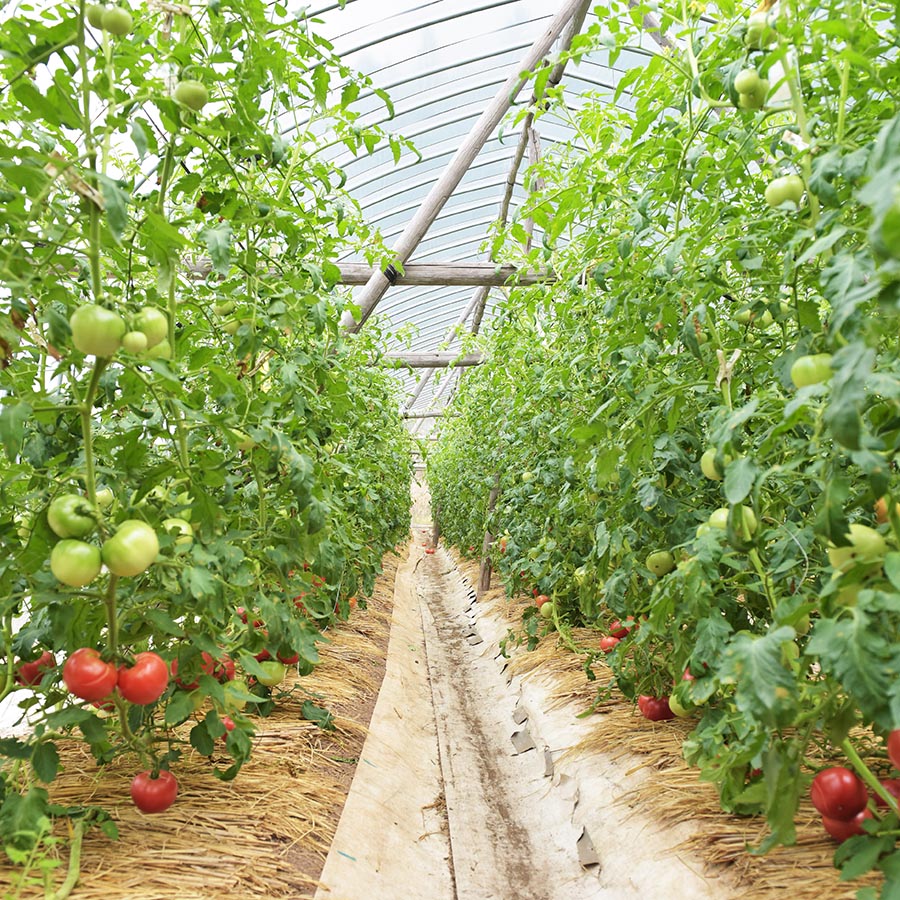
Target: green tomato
{"x": 222, "y": 309}
{"x": 274, "y": 673}
{"x": 660, "y": 563}
{"x": 747, "y": 81}
{"x": 719, "y": 519}
{"x": 814, "y": 369}
{"x": 703, "y": 528}
{"x": 757, "y": 99}
{"x": 867, "y": 546}
{"x": 134, "y": 342}
{"x": 708, "y": 464}
{"x": 234, "y": 701}
{"x": 786, "y": 189}
{"x": 96, "y": 330}
{"x": 75, "y": 563}
{"x": 192, "y": 94}
{"x": 677, "y": 708}
{"x": 183, "y": 529}
{"x": 71, "y": 516}
{"x": 760, "y": 33}
{"x": 117, "y": 21}
{"x": 527, "y": 477}
{"x": 547, "y": 610}
{"x": 131, "y": 549}
{"x": 95, "y": 15}
{"x": 163, "y": 350}
{"x": 105, "y": 498}
{"x": 154, "y": 323}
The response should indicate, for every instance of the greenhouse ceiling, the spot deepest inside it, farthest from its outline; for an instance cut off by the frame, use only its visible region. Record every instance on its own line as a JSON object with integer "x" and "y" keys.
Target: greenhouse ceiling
{"x": 443, "y": 63}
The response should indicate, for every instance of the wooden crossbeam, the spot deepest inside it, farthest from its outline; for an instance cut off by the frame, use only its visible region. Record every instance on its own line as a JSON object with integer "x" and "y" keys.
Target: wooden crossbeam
{"x": 451, "y": 274}
{"x": 430, "y": 360}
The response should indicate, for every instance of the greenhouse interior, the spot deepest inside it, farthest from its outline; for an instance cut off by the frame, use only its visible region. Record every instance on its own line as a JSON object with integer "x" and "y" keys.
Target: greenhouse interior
{"x": 449, "y": 450}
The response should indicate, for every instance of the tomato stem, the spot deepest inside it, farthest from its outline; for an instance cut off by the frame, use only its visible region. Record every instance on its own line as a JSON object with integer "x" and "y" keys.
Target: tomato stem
{"x": 112, "y": 619}
{"x": 85, "y": 410}
{"x": 868, "y": 776}
{"x": 73, "y": 871}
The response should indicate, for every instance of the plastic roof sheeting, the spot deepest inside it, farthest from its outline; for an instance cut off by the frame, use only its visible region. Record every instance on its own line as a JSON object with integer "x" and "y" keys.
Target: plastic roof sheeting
{"x": 442, "y": 62}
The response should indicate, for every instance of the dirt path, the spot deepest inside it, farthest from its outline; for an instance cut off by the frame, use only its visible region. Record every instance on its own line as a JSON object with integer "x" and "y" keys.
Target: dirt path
{"x": 455, "y": 798}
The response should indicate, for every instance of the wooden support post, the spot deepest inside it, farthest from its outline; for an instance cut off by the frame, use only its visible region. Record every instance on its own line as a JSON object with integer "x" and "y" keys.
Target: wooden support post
{"x": 450, "y": 178}
{"x": 486, "y": 570}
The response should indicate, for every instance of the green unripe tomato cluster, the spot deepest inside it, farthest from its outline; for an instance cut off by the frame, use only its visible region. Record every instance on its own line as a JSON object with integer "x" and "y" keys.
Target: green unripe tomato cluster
{"x": 751, "y": 89}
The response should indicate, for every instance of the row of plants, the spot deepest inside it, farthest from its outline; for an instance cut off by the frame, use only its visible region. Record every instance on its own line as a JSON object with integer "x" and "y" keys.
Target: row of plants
{"x": 695, "y": 428}
{"x": 200, "y": 471}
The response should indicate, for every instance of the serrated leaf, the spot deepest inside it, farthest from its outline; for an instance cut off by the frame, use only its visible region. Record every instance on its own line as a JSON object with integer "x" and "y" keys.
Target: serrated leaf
{"x": 218, "y": 243}
{"x": 321, "y": 717}
{"x": 739, "y": 478}
{"x": 45, "y": 761}
{"x": 179, "y": 708}
{"x": 201, "y": 740}
{"x": 115, "y": 202}
{"x": 13, "y": 418}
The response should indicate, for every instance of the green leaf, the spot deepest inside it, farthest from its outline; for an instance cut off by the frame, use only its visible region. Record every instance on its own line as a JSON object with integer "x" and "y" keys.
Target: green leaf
{"x": 739, "y": 478}
{"x": 23, "y": 818}
{"x": 765, "y": 689}
{"x": 321, "y": 80}
{"x": 13, "y": 419}
{"x": 200, "y": 582}
{"x": 321, "y": 717}
{"x": 115, "y": 202}
{"x": 45, "y": 761}
{"x": 218, "y": 243}
{"x": 179, "y": 708}
{"x": 201, "y": 740}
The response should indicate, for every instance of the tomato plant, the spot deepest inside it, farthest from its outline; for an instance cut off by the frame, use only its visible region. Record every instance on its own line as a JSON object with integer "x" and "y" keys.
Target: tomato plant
{"x": 134, "y": 228}
{"x": 726, "y": 399}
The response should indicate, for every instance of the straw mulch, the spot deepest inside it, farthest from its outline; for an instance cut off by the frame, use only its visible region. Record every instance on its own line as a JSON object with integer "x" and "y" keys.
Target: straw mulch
{"x": 265, "y": 834}
{"x": 673, "y": 792}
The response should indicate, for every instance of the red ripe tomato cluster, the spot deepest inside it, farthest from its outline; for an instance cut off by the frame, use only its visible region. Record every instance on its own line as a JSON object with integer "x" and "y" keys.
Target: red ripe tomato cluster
{"x": 842, "y": 799}
{"x": 656, "y": 709}
{"x": 88, "y": 676}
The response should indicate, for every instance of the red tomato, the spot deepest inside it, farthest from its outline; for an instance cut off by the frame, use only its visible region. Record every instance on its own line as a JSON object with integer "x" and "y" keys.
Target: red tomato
{"x": 892, "y": 786}
{"x": 146, "y": 681}
{"x": 29, "y": 673}
{"x": 841, "y": 829}
{"x": 540, "y": 600}
{"x": 688, "y": 675}
{"x": 318, "y": 581}
{"x": 228, "y": 722}
{"x": 619, "y": 629}
{"x": 153, "y": 795}
{"x": 838, "y": 793}
{"x": 87, "y": 676}
{"x": 289, "y": 659}
{"x": 608, "y": 643}
{"x": 893, "y": 747}
{"x": 656, "y": 709}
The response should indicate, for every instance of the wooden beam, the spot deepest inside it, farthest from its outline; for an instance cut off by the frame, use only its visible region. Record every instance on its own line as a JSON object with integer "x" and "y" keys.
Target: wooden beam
{"x": 430, "y": 360}
{"x": 377, "y": 285}
{"x": 450, "y": 274}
